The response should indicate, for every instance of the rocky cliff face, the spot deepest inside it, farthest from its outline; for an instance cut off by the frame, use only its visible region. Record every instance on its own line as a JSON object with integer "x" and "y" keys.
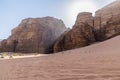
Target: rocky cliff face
{"x": 80, "y": 35}
{"x": 34, "y": 35}
{"x": 107, "y": 21}
{"x": 88, "y": 29}
{"x": 84, "y": 17}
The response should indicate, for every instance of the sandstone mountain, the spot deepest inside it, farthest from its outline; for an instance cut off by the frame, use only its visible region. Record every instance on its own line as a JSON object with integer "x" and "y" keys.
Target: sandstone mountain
{"x": 34, "y": 35}
{"x": 80, "y": 35}
{"x": 89, "y": 29}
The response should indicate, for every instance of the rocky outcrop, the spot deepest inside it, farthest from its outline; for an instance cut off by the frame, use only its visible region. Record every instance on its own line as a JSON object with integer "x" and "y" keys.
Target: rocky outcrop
{"x": 88, "y": 29}
{"x": 59, "y": 44}
{"x": 107, "y": 21}
{"x": 34, "y": 35}
{"x": 3, "y": 45}
{"x": 80, "y": 35}
{"x": 85, "y": 17}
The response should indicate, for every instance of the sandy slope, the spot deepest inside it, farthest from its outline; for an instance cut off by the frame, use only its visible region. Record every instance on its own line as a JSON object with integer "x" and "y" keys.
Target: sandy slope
{"x": 96, "y": 62}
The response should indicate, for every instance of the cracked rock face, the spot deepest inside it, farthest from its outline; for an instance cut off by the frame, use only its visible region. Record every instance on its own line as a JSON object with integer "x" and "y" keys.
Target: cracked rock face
{"x": 34, "y": 35}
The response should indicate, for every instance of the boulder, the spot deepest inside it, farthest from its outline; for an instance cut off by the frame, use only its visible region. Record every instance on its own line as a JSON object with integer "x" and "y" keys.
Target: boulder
{"x": 35, "y": 35}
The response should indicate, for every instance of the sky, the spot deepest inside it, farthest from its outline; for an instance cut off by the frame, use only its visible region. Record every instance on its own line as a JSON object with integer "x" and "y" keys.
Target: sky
{"x": 13, "y": 11}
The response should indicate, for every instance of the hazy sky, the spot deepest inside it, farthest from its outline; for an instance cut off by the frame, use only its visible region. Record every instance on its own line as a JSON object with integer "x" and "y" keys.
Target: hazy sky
{"x": 13, "y": 11}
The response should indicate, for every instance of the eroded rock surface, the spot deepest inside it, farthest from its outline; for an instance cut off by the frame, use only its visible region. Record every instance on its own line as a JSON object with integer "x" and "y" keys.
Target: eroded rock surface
{"x": 34, "y": 35}
{"x": 89, "y": 29}
{"x": 107, "y": 21}
{"x": 80, "y": 35}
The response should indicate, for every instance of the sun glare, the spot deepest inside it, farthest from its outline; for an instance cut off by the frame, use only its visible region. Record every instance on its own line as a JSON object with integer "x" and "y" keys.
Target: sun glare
{"x": 80, "y": 6}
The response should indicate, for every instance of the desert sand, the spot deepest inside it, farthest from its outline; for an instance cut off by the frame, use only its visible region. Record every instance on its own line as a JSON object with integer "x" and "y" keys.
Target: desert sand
{"x": 100, "y": 61}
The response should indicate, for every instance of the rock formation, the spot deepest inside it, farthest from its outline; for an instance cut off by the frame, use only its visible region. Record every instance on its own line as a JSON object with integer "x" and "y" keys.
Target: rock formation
{"x": 88, "y": 29}
{"x": 3, "y": 45}
{"x": 107, "y": 21}
{"x": 85, "y": 17}
{"x": 34, "y": 35}
{"x": 80, "y": 35}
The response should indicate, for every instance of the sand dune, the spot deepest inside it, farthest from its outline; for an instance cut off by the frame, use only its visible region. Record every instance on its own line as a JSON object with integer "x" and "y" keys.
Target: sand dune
{"x": 100, "y": 61}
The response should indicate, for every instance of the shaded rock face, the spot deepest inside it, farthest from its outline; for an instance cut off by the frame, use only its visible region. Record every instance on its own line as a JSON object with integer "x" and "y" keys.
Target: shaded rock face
{"x": 107, "y": 21}
{"x": 80, "y": 35}
{"x": 3, "y": 48}
{"x": 59, "y": 44}
{"x": 34, "y": 35}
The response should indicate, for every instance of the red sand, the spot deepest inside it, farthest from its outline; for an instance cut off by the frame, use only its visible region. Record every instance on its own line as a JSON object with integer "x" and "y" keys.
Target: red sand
{"x": 100, "y": 61}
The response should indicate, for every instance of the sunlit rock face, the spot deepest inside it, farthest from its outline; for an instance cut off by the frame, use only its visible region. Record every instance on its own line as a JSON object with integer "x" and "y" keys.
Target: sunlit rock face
{"x": 35, "y": 35}
{"x": 85, "y": 17}
{"x": 107, "y": 21}
{"x": 80, "y": 35}
{"x": 88, "y": 29}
